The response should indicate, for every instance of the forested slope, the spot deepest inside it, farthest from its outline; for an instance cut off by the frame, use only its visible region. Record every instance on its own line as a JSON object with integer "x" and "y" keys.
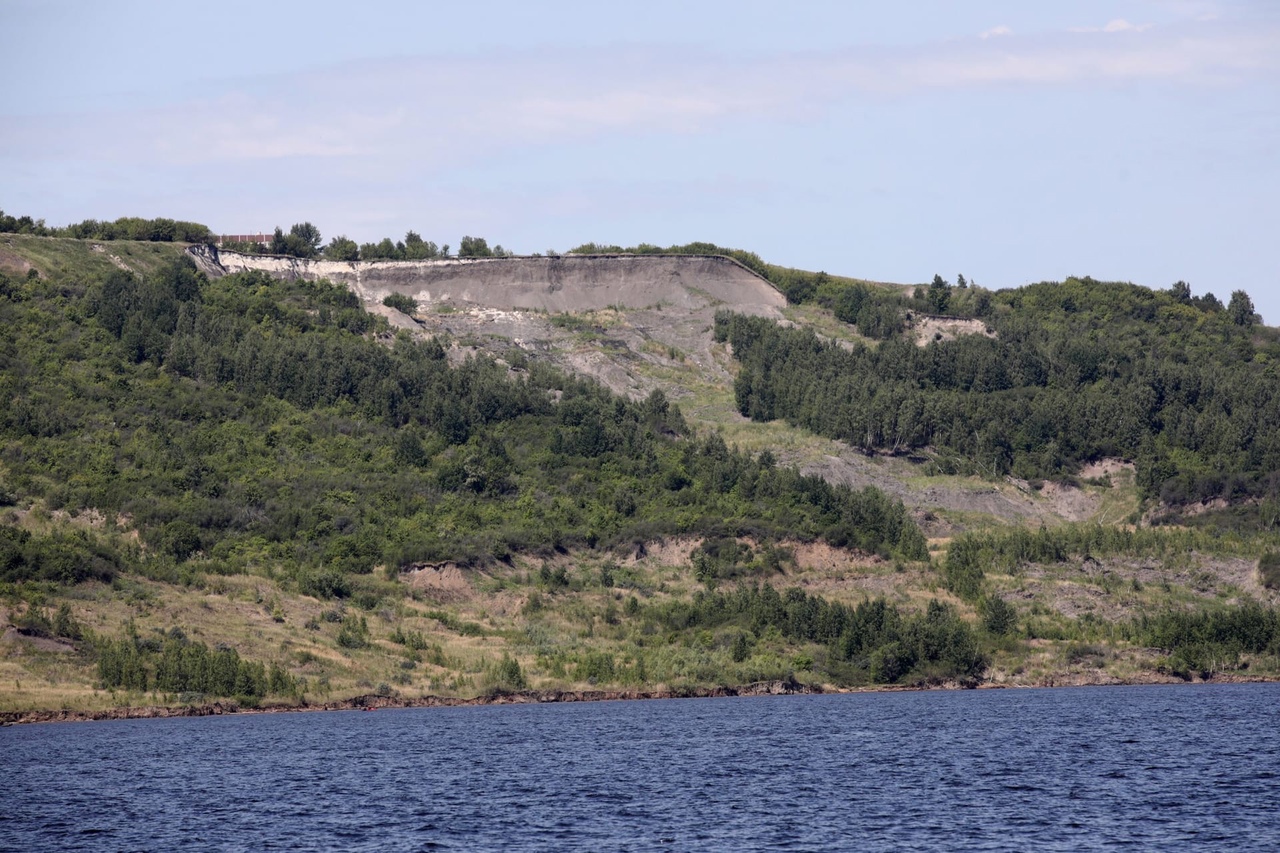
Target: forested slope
{"x": 1073, "y": 372}
{"x": 252, "y": 418}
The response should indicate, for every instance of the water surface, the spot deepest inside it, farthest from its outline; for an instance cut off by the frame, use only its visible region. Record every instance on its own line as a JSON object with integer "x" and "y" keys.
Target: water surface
{"x": 1142, "y": 768}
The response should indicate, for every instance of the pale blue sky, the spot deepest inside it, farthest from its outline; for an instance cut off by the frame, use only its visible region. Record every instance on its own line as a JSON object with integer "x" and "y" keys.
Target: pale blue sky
{"x": 1009, "y": 141}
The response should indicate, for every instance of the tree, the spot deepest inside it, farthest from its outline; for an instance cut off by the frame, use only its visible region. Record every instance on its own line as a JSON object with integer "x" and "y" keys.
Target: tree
{"x": 342, "y": 248}
{"x": 402, "y": 303}
{"x": 1207, "y": 303}
{"x": 960, "y": 282}
{"x": 1240, "y": 309}
{"x": 417, "y": 249}
{"x": 383, "y": 251}
{"x": 302, "y": 241}
{"x": 939, "y": 295}
{"x": 307, "y": 238}
{"x": 1180, "y": 291}
{"x": 474, "y": 247}
{"x": 998, "y": 616}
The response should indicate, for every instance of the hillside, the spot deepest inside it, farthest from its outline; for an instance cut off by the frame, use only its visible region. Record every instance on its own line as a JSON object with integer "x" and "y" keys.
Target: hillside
{"x": 639, "y": 323}
{"x": 246, "y": 476}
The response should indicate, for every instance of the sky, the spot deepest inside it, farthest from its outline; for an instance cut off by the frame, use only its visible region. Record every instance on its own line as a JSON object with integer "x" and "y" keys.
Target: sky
{"x": 1011, "y": 142}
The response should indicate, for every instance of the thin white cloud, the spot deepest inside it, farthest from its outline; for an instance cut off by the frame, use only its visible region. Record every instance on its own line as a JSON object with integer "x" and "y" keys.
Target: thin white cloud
{"x": 430, "y": 114}
{"x": 1120, "y": 25}
{"x": 996, "y": 32}
{"x": 1116, "y": 25}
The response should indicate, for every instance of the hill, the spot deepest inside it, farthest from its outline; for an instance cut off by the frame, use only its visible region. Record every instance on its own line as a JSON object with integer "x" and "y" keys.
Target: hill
{"x": 233, "y": 467}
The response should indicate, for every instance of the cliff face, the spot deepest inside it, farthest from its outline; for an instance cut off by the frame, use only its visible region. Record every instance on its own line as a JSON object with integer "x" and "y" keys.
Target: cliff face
{"x": 572, "y": 283}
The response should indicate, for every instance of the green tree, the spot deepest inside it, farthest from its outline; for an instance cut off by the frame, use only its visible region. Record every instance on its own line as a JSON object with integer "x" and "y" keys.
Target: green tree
{"x": 1208, "y": 303}
{"x": 1240, "y": 309}
{"x": 939, "y": 295}
{"x": 179, "y": 538}
{"x": 302, "y": 241}
{"x": 474, "y": 247}
{"x": 507, "y": 675}
{"x": 382, "y": 251}
{"x": 417, "y": 249}
{"x": 353, "y": 633}
{"x": 307, "y": 237}
{"x": 998, "y": 615}
{"x": 342, "y": 248}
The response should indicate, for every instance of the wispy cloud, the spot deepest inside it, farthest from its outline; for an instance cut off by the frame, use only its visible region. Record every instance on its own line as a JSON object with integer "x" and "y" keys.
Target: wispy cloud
{"x": 433, "y": 112}
{"x": 1116, "y": 25}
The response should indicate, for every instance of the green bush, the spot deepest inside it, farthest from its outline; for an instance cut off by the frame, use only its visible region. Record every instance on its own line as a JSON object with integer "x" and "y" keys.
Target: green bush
{"x": 353, "y": 633}
{"x": 506, "y": 675}
{"x": 402, "y": 303}
{"x": 324, "y": 583}
{"x": 999, "y": 617}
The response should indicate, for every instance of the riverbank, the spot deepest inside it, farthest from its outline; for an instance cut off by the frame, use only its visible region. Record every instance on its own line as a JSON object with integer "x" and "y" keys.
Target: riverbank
{"x": 374, "y": 702}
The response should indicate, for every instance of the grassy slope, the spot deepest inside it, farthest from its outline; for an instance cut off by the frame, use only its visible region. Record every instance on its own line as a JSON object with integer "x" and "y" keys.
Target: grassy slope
{"x": 1070, "y": 610}
{"x": 59, "y": 257}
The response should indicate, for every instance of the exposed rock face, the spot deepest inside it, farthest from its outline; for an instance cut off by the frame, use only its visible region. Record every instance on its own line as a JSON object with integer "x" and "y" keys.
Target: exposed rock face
{"x": 573, "y": 283}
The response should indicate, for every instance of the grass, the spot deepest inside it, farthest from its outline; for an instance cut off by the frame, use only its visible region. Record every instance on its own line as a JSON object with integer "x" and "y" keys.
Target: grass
{"x": 825, "y": 323}
{"x": 1120, "y": 500}
{"x": 78, "y": 260}
{"x": 579, "y": 635}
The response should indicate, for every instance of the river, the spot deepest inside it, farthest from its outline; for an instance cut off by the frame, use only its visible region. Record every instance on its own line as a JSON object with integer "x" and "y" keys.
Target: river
{"x": 1142, "y": 768}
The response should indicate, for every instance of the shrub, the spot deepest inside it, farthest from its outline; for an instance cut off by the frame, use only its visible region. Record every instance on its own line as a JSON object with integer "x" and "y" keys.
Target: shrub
{"x": 324, "y": 583}
{"x": 400, "y": 302}
{"x": 507, "y": 675}
{"x": 998, "y": 615}
{"x": 596, "y": 667}
{"x": 354, "y": 633}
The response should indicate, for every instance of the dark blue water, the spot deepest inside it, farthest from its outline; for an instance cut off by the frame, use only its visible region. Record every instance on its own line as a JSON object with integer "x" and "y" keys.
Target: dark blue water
{"x": 1143, "y": 768}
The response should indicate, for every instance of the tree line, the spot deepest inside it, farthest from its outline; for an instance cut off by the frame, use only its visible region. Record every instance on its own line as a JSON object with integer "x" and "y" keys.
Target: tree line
{"x": 172, "y": 663}
{"x": 1208, "y": 641}
{"x": 303, "y": 240}
{"x": 871, "y": 642}
{"x": 158, "y": 230}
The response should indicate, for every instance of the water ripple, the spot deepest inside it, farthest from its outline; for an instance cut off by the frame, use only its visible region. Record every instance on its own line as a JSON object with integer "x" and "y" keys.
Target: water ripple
{"x": 1058, "y": 770}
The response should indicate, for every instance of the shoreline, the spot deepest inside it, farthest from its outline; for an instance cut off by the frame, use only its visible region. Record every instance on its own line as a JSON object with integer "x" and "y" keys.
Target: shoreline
{"x": 373, "y": 702}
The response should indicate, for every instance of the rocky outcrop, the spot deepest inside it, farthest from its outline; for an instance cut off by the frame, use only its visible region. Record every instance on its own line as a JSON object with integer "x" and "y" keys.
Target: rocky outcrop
{"x": 555, "y": 284}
